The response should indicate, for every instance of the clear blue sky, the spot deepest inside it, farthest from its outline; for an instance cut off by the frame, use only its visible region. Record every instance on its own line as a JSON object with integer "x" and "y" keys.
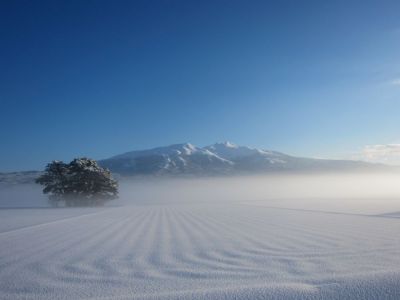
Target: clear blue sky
{"x": 97, "y": 78}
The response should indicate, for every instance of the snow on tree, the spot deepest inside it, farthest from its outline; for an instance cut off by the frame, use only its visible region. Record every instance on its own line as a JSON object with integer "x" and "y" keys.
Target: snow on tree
{"x": 82, "y": 182}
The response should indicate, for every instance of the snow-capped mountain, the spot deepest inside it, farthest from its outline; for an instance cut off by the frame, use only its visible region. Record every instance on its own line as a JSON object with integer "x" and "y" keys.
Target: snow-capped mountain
{"x": 245, "y": 157}
{"x": 217, "y": 159}
{"x": 174, "y": 159}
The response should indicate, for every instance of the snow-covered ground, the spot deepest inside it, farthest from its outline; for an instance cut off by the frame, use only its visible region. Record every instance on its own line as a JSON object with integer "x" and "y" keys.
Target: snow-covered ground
{"x": 209, "y": 239}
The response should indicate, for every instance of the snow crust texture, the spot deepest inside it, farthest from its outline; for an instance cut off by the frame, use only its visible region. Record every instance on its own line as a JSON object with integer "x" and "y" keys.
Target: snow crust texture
{"x": 207, "y": 250}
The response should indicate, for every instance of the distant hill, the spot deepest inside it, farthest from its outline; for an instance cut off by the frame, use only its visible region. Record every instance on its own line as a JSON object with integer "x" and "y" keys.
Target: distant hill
{"x": 18, "y": 177}
{"x": 220, "y": 159}
{"x": 215, "y": 160}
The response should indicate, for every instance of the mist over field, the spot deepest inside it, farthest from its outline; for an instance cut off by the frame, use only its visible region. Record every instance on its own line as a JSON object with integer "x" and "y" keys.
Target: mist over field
{"x": 365, "y": 193}
{"x": 369, "y": 193}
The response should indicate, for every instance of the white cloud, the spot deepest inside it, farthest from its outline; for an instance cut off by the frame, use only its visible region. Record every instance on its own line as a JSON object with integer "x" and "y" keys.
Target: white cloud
{"x": 388, "y": 154}
{"x": 395, "y": 81}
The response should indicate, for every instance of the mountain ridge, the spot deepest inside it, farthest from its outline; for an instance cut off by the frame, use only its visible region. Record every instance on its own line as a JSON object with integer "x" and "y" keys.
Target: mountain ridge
{"x": 219, "y": 159}
{"x": 223, "y": 158}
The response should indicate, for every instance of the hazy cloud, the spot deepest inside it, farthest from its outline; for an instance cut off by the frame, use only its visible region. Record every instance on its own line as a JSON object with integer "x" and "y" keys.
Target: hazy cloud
{"x": 395, "y": 81}
{"x": 389, "y": 153}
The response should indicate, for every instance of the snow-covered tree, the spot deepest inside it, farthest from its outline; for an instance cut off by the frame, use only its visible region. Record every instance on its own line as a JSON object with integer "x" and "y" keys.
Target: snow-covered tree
{"x": 82, "y": 182}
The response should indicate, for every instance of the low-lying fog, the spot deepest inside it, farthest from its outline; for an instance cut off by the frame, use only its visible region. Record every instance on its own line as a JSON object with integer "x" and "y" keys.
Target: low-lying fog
{"x": 374, "y": 193}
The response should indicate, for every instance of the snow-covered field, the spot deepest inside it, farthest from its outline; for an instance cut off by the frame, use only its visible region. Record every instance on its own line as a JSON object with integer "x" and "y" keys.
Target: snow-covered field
{"x": 254, "y": 238}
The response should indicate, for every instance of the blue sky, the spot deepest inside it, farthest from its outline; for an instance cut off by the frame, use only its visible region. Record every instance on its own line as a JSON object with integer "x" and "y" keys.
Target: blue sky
{"x": 97, "y": 78}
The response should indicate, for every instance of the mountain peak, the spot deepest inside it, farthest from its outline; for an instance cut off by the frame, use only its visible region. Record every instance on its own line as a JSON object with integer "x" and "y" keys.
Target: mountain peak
{"x": 189, "y": 146}
{"x": 226, "y": 144}
{"x": 185, "y": 148}
{"x": 229, "y": 150}
{"x": 219, "y": 158}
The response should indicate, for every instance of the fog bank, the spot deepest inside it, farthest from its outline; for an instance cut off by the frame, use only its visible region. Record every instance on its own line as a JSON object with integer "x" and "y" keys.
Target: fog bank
{"x": 373, "y": 193}
{"x": 361, "y": 193}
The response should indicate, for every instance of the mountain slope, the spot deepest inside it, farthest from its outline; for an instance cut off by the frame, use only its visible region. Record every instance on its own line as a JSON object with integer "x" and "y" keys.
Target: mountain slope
{"x": 174, "y": 159}
{"x": 219, "y": 159}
